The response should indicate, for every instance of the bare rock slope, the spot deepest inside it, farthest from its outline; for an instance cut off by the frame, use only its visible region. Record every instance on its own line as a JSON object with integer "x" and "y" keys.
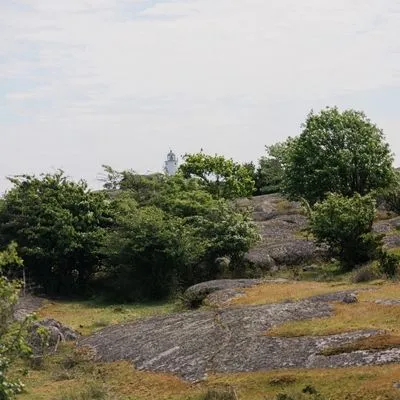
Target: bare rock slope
{"x": 283, "y": 239}
{"x": 192, "y": 344}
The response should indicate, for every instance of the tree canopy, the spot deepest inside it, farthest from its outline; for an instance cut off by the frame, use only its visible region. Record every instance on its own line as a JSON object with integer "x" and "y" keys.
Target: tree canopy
{"x": 57, "y": 224}
{"x": 338, "y": 152}
{"x": 222, "y": 177}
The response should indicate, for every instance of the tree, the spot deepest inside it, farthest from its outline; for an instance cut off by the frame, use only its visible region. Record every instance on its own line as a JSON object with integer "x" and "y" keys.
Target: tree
{"x": 221, "y": 177}
{"x": 342, "y": 152}
{"x": 270, "y": 172}
{"x": 12, "y": 333}
{"x": 58, "y": 225}
{"x": 345, "y": 224}
{"x": 171, "y": 242}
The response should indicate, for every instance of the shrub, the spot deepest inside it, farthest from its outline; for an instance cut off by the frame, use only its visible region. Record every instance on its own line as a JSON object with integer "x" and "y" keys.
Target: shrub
{"x": 389, "y": 264}
{"x": 366, "y": 273}
{"x": 345, "y": 225}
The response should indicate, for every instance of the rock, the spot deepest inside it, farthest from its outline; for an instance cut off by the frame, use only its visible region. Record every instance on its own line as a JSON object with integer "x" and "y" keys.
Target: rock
{"x": 195, "y": 295}
{"x": 229, "y": 340}
{"x": 350, "y": 298}
{"x": 396, "y": 385}
{"x": 57, "y": 333}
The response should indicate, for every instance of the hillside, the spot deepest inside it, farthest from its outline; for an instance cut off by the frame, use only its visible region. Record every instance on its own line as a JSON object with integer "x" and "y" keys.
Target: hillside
{"x": 250, "y": 339}
{"x": 283, "y": 240}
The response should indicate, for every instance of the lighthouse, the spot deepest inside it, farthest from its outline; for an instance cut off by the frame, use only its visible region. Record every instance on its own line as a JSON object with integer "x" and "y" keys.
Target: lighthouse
{"x": 171, "y": 165}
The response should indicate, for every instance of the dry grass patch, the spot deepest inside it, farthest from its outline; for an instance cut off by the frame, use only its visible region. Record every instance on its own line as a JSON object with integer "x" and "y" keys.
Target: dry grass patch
{"x": 382, "y": 290}
{"x": 120, "y": 381}
{"x": 277, "y": 292}
{"x": 60, "y": 379}
{"x": 376, "y": 343}
{"x": 346, "y": 318}
{"x": 362, "y": 383}
{"x": 88, "y": 316}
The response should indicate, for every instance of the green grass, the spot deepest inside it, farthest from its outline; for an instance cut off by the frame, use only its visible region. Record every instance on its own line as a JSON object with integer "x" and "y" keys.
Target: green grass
{"x": 87, "y": 317}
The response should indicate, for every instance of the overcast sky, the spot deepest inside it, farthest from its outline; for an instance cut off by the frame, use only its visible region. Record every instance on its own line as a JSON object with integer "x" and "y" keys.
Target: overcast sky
{"x": 120, "y": 82}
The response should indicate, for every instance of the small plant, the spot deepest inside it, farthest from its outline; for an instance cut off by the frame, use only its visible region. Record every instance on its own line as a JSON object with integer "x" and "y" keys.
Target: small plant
{"x": 221, "y": 393}
{"x": 366, "y": 274}
{"x": 389, "y": 264}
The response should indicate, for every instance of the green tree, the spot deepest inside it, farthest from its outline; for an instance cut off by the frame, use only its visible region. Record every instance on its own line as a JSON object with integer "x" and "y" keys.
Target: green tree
{"x": 271, "y": 168}
{"x": 340, "y": 152}
{"x": 222, "y": 177}
{"x": 345, "y": 224}
{"x": 171, "y": 242}
{"x": 12, "y": 333}
{"x": 58, "y": 226}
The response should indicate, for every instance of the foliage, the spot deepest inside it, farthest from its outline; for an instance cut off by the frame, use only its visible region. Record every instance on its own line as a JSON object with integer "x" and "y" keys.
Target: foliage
{"x": 271, "y": 168}
{"x": 389, "y": 264}
{"x": 171, "y": 242}
{"x": 58, "y": 226}
{"x": 221, "y": 177}
{"x": 12, "y": 333}
{"x": 345, "y": 224}
{"x": 341, "y": 152}
{"x": 366, "y": 273}
{"x": 389, "y": 197}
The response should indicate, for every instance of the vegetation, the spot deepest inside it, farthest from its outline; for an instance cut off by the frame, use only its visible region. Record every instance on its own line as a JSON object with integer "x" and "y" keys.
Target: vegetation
{"x": 269, "y": 175}
{"x": 337, "y": 152}
{"x": 144, "y": 242}
{"x": 221, "y": 177}
{"x": 146, "y": 238}
{"x": 58, "y": 225}
{"x": 345, "y": 224}
{"x": 12, "y": 333}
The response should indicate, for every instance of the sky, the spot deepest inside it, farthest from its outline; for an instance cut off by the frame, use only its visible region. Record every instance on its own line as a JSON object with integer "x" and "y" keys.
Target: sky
{"x": 121, "y": 82}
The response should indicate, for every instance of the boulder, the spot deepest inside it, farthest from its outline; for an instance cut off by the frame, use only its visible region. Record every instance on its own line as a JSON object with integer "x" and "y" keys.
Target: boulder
{"x": 350, "y": 298}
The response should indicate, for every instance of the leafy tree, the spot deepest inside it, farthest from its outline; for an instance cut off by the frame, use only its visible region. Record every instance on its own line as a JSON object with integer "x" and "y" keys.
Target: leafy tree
{"x": 345, "y": 224}
{"x": 143, "y": 187}
{"x": 222, "y": 177}
{"x": 12, "y": 333}
{"x": 340, "y": 152}
{"x": 270, "y": 172}
{"x": 58, "y": 226}
{"x": 173, "y": 242}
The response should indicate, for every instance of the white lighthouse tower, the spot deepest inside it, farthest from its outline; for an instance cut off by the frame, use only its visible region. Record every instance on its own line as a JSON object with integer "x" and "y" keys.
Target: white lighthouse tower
{"x": 171, "y": 165}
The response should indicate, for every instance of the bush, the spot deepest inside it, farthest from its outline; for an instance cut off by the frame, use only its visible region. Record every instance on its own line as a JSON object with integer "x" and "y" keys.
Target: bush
{"x": 390, "y": 200}
{"x": 12, "y": 333}
{"x": 345, "y": 225}
{"x": 366, "y": 273}
{"x": 389, "y": 264}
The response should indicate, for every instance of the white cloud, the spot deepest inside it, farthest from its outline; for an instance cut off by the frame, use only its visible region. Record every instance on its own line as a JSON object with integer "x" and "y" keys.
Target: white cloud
{"x": 190, "y": 73}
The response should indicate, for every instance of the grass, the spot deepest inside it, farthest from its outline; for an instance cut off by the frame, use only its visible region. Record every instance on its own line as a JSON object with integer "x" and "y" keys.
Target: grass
{"x": 73, "y": 374}
{"x": 346, "y": 317}
{"x": 277, "y": 292}
{"x": 378, "y": 342}
{"x": 87, "y": 317}
{"x": 84, "y": 379}
{"x": 366, "y": 383}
